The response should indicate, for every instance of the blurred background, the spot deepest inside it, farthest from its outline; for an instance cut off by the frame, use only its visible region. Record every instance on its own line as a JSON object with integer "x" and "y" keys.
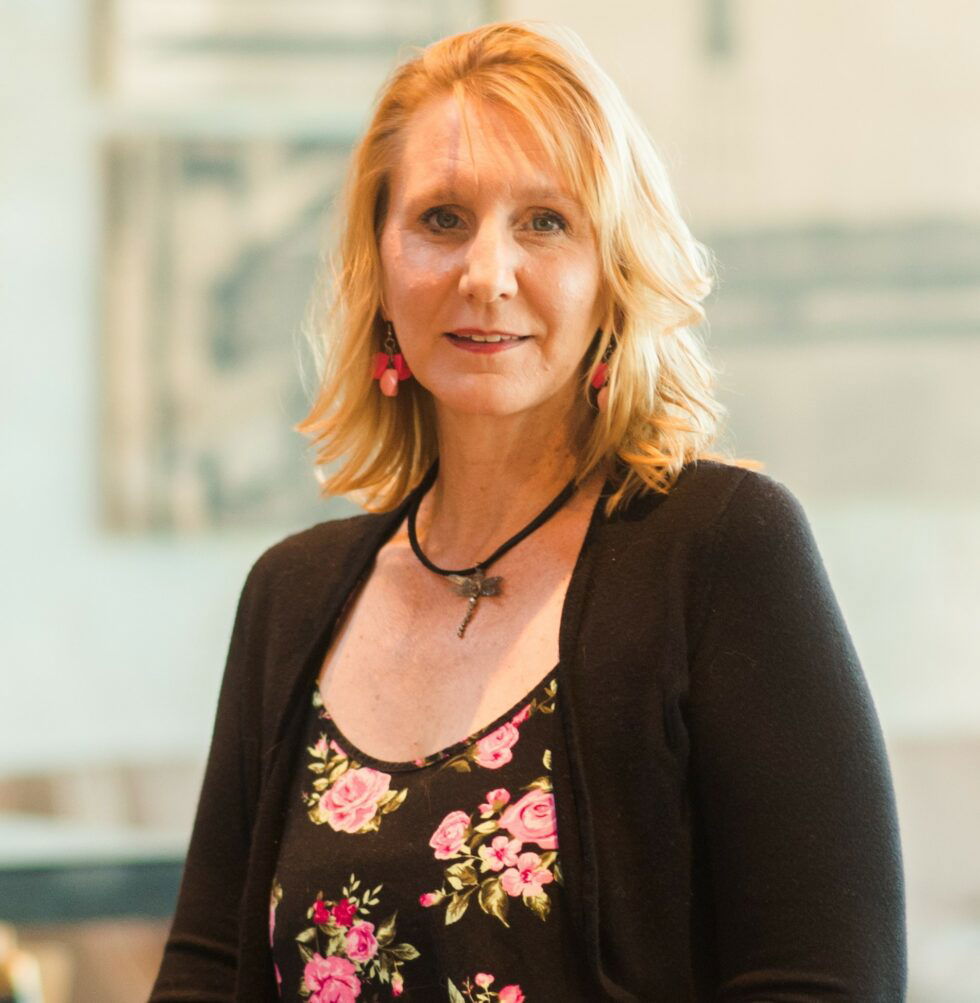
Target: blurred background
{"x": 168, "y": 171}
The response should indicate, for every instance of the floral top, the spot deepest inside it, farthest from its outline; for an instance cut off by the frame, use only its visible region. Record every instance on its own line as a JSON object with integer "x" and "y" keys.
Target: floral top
{"x": 437, "y": 879}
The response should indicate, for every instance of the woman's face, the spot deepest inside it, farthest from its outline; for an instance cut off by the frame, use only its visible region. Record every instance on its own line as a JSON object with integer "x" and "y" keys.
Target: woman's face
{"x": 482, "y": 237}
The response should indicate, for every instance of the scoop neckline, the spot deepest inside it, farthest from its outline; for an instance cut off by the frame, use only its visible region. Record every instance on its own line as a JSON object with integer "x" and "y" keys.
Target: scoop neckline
{"x": 353, "y": 752}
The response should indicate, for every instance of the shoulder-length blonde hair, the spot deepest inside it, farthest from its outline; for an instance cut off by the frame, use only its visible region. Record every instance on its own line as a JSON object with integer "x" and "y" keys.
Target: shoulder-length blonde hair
{"x": 661, "y": 412}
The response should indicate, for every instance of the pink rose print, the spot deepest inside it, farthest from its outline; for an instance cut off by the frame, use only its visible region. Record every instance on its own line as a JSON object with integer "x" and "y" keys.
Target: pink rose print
{"x": 331, "y": 980}
{"x": 532, "y": 819}
{"x": 496, "y": 799}
{"x": 361, "y": 943}
{"x": 321, "y": 747}
{"x": 483, "y": 981}
{"x": 501, "y": 853}
{"x": 344, "y": 960}
{"x": 522, "y": 715}
{"x": 527, "y": 877}
{"x": 353, "y": 799}
{"x": 428, "y": 899}
{"x": 493, "y": 750}
{"x": 344, "y": 912}
{"x": 449, "y": 837}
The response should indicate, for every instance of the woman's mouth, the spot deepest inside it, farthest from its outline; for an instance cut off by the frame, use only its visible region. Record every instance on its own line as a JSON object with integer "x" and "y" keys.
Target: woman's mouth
{"x": 491, "y": 341}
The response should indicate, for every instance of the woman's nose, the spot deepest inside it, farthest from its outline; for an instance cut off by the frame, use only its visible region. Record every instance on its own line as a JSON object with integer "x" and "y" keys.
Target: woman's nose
{"x": 490, "y": 267}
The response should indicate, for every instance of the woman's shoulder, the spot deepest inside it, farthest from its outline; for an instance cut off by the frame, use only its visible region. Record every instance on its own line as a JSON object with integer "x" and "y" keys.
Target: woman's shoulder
{"x": 715, "y": 496}
{"x": 325, "y": 540}
{"x": 755, "y": 536}
{"x": 733, "y": 542}
{"x": 311, "y": 560}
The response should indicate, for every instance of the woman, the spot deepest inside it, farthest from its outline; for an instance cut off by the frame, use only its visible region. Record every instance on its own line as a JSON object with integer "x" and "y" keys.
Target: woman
{"x": 573, "y": 715}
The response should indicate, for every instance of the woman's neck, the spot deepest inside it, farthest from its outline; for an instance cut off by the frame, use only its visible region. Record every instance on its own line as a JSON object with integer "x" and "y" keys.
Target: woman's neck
{"x": 495, "y": 475}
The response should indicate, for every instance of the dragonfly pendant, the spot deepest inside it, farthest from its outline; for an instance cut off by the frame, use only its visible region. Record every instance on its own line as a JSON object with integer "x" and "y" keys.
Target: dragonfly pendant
{"x": 472, "y": 587}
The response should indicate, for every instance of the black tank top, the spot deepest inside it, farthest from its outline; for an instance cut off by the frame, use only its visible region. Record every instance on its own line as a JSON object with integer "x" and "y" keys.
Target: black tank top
{"x": 438, "y": 879}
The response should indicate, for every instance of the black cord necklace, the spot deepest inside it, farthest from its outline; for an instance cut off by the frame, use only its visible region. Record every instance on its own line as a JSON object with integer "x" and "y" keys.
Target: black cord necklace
{"x": 472, "y": 583}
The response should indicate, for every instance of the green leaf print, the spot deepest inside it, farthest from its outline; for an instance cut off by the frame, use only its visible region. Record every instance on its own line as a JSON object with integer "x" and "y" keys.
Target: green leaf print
{"x": 494, "y": 900}
{"x": 386, "y": 931}
{"x": 404, "y": 952}
{"x": 540, "y": 905}
{"x": 461, "y": 874}
{"x": 458, "y": 905}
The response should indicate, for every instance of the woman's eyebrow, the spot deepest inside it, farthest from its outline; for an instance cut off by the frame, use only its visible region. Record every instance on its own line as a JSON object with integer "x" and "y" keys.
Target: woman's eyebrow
{"x": 450, "y": 193}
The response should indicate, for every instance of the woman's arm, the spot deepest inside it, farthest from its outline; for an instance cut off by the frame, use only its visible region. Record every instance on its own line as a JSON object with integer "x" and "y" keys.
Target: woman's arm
{"x": 790, "y": 774}
{"x": 201, "y": 955}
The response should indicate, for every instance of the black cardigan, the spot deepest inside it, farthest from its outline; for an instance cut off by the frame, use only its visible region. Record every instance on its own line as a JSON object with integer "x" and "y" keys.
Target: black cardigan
{"x": 727, "y": 823}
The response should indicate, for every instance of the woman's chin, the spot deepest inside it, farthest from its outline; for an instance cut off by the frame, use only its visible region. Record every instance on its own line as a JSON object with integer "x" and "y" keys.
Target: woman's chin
{"x": 487, "y": 404}
{"x": 499, "y": 395}
{"x": 486, "y": 394}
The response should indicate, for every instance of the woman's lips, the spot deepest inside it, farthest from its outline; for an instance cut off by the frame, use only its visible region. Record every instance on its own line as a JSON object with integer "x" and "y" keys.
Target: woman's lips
{"x": 483, "y": 347}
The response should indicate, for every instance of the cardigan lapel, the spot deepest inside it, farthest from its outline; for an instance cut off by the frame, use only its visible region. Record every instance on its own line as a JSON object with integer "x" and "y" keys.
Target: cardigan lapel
{"x": 581, "y": 709}
{"x": 352, "y": 555}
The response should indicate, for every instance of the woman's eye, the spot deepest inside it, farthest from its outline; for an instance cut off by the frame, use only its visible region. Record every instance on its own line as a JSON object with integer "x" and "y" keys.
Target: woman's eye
{"x": 548, "y": 222}
{"x": 440, "y": 219}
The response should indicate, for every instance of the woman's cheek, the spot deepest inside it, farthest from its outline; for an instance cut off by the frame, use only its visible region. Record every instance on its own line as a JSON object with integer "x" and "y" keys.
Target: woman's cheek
{"x": 423, "y": 256}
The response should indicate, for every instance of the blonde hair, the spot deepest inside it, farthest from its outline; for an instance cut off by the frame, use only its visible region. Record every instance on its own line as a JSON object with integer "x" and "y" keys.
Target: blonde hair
{"x": 661, "y": 412}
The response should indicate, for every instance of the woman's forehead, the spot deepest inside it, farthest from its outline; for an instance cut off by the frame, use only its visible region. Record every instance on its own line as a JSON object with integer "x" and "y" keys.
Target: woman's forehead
{"x": 457, "y": 149}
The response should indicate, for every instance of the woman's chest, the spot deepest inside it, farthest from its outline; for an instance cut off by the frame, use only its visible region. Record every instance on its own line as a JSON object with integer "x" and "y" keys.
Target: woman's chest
{"x": 400, "y": 681}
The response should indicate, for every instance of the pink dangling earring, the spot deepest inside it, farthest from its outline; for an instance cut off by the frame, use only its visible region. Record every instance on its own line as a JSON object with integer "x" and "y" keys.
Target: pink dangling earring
{"x": 390, "y": 367}
{"x": 600, "y": 378}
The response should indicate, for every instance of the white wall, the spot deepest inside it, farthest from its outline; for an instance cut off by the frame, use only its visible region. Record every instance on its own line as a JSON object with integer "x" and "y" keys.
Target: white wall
{"x": 830, "y": 109}
{"x": 110, "y": 647}
{"x": 113, "y": 646}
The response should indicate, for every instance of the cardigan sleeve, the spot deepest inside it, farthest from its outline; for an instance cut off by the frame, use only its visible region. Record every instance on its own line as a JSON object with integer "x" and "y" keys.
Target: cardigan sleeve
{"x": 200, "y": 959}
{"x": 790, "y": 776}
